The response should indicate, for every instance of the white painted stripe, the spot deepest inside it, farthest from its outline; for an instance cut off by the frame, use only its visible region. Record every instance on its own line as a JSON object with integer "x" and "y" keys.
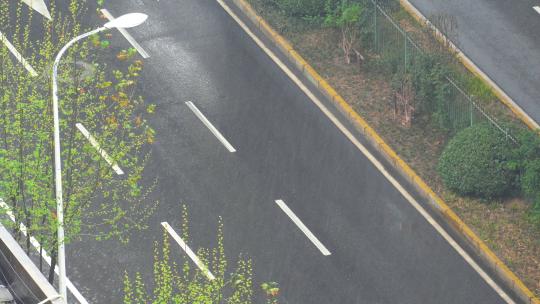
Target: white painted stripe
{"x": 211, "y": 127}
{"x": 39, "y": 6}
{"x": 188, "y": 251}
{"x": 96, "y": 145}
{"x": 373, "y": 160}
{"x": 303, "y": 227}
{"x": 18, "y": 55}
{"x": 74, "y": 291}
{"x": 537, "y": 9}
{"x": 129, "y": 38}
{"x": 50, "y": 299}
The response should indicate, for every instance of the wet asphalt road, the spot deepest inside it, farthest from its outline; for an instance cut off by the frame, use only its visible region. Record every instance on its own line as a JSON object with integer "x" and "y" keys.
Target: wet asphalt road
{"x": 383, "y": 250}
{"x": 502, "y": 39}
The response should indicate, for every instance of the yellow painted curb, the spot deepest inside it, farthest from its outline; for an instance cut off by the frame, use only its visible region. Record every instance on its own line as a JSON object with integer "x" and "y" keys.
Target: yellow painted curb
{"x": 297, "y": 59}
{"x": 436, "y": 202}
{"x": 469, "y": 64}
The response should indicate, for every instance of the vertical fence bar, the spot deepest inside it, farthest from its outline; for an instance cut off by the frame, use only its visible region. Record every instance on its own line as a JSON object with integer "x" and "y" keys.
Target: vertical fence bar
{"x": 375, "y": 36}
{"x": 405, "y": 47}
{"x": 471, "y": 110}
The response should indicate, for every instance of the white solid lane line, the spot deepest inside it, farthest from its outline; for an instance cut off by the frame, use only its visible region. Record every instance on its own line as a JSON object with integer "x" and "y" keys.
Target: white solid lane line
{"x": 188, "y": 251}
{"x": 303, "y": 227}
{"x": 211, "y": 127}
{"x": 95, "y": 144}
{"x": 129, "y": 38}
{"x": 74, "y": 291}
{"x": 370, "y": 156}
{"x": 537, "y": 9}
{"x": 18, "y": 55}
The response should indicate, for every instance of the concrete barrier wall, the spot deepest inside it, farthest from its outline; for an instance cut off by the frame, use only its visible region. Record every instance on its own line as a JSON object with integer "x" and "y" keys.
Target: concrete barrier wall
{"x": 24, "y": 279}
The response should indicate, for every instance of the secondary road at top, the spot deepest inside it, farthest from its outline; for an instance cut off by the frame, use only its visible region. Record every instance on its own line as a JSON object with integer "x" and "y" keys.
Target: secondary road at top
{"x": 501, "y": 38}
{"x": 294, "y": 193}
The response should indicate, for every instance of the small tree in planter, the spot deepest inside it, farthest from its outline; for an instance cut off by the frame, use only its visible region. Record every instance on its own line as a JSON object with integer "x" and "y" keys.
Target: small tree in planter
{"x": 272, "y": 291}
{"x": 184, "y": 284}
{"x": 404, "y": 100}
{"x": 97, "y": 202}
{"x": 345, "y": 17}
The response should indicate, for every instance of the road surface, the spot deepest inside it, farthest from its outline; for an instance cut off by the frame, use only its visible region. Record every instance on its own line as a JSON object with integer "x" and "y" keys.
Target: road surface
{"x": 288, "y": 156}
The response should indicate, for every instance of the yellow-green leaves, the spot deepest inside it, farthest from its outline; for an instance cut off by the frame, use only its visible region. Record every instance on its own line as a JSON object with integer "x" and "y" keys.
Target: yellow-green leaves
{"x": 188, "y": 285}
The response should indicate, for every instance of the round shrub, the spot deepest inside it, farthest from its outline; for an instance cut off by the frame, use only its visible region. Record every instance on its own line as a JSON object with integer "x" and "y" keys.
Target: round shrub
{"x": 475, "y": 162}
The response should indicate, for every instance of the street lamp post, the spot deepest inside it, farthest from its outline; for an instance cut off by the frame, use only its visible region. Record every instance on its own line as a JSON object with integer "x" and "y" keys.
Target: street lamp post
{"x": 124, "y": 21}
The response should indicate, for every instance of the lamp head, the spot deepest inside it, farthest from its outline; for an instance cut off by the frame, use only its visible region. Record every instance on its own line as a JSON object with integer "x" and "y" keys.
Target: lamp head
{"x": 126, "y": 21}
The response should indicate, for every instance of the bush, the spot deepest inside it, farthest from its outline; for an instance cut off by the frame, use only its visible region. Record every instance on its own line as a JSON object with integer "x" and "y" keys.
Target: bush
{"x": 432, "y": 88}
{"x": 304, "y": 8}
{"x": 345, "y": 17}
{"x": 429, "y": 74}
{"x": 530, "y": 185}
{"x": 530, "y": 179}
{"x": 476, "y": 162}
{"x": 479, "y": 89}
{"x": 527, "y": 161}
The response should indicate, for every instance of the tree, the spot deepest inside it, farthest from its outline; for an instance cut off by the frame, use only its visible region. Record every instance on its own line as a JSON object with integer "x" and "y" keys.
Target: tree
{"x": 104, "y": 99}
{"x": 345, "y": 17}
{"x": 191, "y": 286}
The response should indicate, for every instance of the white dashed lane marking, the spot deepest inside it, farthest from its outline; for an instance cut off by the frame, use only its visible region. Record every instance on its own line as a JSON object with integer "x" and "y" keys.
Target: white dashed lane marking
{"x": 96, "y": 145}
{"x": 188, "y": 251}
{"x": 303, "y": 227}
{"x": 129, "y": 38}
{"x": 18, "y": 55}
{"x": 210, "y": 126}
{"x": 39, "y": 6}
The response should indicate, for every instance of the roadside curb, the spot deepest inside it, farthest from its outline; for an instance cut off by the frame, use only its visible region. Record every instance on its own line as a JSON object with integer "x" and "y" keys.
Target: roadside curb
{"x": 473, "y": 68}
{"x": 480, "y": 248}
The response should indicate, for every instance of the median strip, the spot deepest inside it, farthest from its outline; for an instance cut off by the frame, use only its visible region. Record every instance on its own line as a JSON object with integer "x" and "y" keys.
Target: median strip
{"x": 303, "y": 227}
{"x": 188, "y": 251}
{"x": 96, "y": 145}
{"x": 210, "y": 126}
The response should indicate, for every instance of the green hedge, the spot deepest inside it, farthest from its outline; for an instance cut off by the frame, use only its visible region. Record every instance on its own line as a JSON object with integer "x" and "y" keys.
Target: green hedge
{"x": 477, "y": 162}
